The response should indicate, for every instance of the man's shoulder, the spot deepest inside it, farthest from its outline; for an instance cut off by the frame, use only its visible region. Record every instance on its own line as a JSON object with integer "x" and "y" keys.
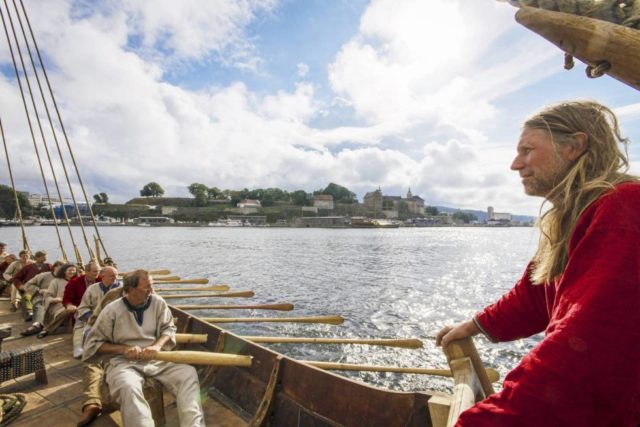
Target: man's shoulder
{"x": 76, "y": 280}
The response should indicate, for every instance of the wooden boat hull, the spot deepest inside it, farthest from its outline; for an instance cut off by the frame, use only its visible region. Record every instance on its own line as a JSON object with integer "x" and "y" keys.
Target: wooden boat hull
{"x": 279, "y": 391}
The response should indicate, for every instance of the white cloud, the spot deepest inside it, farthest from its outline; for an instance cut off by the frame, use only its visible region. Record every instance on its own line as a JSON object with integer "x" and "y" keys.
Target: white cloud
{"x": 424, "y": 81}
{"x": 302, "y": 69}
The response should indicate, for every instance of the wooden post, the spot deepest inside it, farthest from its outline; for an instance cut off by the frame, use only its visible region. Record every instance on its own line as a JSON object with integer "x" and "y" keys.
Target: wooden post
{"x": 472, "y": 383}
{"x": 439, "y": 405}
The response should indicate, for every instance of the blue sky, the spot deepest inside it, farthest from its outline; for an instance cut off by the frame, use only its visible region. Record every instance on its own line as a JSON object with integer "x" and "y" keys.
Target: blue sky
{"x": 297, "y": 94}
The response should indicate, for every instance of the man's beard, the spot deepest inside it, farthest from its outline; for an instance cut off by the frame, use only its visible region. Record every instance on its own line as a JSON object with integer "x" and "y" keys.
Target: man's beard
{"x": 543, "y": 183}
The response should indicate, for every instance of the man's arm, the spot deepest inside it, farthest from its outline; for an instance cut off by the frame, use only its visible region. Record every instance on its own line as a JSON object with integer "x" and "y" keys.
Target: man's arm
{"x": 584, "y": 372}
{"x": 18, "y": 278}
{"x": 70, "y": 294}
{"x": 32, "y": 286}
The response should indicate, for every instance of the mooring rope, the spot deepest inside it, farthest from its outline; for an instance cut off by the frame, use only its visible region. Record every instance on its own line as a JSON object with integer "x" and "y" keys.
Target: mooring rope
{"x": 10, "y": 407}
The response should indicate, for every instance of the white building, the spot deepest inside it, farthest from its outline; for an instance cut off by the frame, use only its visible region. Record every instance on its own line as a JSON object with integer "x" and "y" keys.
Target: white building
{"x": 323, "y": 201}
{"x": 249, "y": 203}
{"x": 497, "y": 216}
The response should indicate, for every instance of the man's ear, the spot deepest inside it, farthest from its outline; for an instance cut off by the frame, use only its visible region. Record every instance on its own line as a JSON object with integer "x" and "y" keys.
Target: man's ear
{"x": 576, "y": 146}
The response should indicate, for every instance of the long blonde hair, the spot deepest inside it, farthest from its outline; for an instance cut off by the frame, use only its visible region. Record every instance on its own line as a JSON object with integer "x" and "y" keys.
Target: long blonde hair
{"x": 597, "y": 170}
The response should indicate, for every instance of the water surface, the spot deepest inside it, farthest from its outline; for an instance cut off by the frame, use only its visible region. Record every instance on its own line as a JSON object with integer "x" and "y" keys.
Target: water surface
{"x": 387, "y": 283}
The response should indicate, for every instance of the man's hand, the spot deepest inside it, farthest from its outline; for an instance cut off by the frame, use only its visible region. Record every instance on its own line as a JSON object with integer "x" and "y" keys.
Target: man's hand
{"x": 456, "y": 332}
{"x": 134, "y": 352}
{"x": 71, "y": 308}
{"x": 41, "y": 291}
{"x": 149, "y": 353}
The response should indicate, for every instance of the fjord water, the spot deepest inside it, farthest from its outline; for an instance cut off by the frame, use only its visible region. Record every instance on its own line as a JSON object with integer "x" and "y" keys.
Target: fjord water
{"x": 386, "y": 283}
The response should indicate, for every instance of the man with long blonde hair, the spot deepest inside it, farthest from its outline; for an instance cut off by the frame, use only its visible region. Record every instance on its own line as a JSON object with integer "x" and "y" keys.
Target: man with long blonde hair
{"x": 582, "y": 288}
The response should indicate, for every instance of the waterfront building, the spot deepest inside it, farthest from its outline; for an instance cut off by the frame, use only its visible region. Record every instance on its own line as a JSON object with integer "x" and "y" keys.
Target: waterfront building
{"x": 323, "y": 221}
{"x": 323, "y": 201}
{"x": 155, "y": 220}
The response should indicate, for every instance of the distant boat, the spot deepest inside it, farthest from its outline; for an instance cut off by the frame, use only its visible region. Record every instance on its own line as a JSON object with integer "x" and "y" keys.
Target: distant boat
{"x": 364, "y": 222}
{"x": 226, "y": 223}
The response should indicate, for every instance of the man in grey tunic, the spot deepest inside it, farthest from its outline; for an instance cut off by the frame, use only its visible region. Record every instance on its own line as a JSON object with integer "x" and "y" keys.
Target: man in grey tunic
{"x": 132, "y": 330}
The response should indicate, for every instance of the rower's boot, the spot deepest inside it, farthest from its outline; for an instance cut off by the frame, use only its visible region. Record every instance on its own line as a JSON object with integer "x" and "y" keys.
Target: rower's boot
{"x": 89, "y": 413}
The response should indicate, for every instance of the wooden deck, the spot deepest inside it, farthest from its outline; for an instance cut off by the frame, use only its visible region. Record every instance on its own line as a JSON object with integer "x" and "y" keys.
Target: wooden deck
{"x": 59, "y": 402}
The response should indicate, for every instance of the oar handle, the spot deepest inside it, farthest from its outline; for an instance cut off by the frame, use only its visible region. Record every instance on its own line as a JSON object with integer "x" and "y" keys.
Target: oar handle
{"x": 402, "y": 343}
{"x": 153, "y": 272}
{"x": 221, "y": 288}
{"x": 203, "y": 358}
{"x": 491, "y": 373}
{"x": 191, "y": 338}
{"x": 332, "y": 320}
{"x": 280, "y": 307}
{"x": 243, "y": 294}
{"x": 176, "y": 280}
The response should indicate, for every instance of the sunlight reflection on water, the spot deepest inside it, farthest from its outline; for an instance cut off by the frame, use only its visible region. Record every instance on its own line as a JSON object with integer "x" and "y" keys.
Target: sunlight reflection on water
{"x": 386, "y": 283}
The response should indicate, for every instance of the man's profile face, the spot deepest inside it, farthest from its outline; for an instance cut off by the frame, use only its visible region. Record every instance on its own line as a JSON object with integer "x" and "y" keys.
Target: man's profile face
{"x": 93, "y": 272}
{"x": 538, "y": 162}
{"x": 140, "y": 294}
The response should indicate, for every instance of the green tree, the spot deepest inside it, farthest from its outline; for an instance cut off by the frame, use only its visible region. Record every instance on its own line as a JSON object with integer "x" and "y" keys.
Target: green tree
{"x": 8, "y": 203}
{"x": 101, "y": 198}
{"x": 200, "y": 192}
{"x": 340, "y": 194}
{"x": 465, "y": 217}
{"x": 431, "y": 210}
{"x": 214, "y": 192}
{"x": 299, "y": 198}
{"x": 152, "y": 189}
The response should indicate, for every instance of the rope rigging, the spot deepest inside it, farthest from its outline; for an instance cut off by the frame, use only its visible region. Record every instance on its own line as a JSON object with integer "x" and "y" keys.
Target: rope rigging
{"x": 54, "y": 131}
{"x": 25, "y": 244}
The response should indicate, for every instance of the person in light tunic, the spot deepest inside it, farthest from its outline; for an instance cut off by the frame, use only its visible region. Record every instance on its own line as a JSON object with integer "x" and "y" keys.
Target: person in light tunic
{"x": 54, "y": 312}
{"x": 92, "y": 373}
{"x": 35, "y": 289}
{"x": 131, "y": 330}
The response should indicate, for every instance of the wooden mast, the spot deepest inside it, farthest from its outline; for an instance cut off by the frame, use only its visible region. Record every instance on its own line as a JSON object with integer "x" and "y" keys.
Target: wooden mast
{"x": 601, "y": 45}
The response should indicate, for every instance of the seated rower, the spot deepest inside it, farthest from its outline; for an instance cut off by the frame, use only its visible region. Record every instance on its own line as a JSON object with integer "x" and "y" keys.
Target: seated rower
{"x": 93, "y": 371}
{"x": 25, "y": 274}
{"x": 73, "y": 297}
{"x": 24, "y": 259}
{"x": 8, "y": 260}
{"x": 54, "y": 311}
{"x": 35, "y": 290}
{"x": 131, "y": 330}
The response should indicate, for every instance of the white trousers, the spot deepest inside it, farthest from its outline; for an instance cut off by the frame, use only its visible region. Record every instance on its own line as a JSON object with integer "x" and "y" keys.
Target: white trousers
{"x": 125, "y": 379}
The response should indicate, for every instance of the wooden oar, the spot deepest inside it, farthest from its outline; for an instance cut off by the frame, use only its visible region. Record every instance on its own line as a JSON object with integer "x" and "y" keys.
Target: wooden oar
{"x": 243, "y": 294}
{"x": 404, "y": 343}
{"x": 281, "y": 307}
{"x": 154, "y": 272}
{"x": 492, "y": 373}
{"x": 177, "y": 281}
{"x": 191, "y": 338}
{"x": 166, "y": 278}
{"x": 203, "y": 288}
{"x": 332, "y": 320}
{"x": 203, "y": 358}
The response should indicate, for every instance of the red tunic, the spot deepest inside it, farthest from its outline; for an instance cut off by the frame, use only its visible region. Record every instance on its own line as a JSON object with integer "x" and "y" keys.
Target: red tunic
{"x": 586, "y": 370}
{"x": 28, "y": 272}
{"x": 74, "y": 290}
